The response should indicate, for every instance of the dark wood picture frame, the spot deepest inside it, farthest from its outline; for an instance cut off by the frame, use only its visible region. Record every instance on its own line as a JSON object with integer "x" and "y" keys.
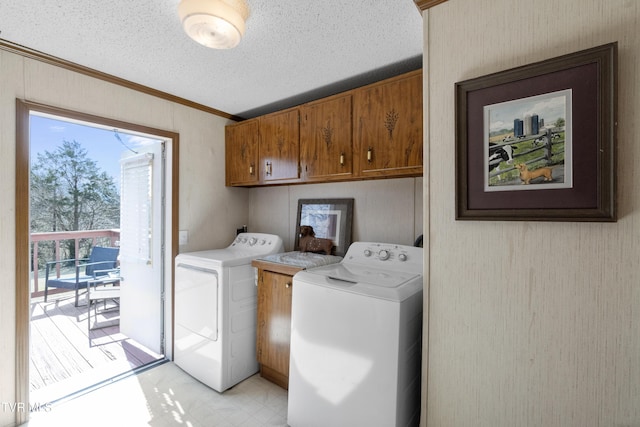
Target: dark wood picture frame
{"x": 591, "y": 77}
{"x": 330, "y": 219}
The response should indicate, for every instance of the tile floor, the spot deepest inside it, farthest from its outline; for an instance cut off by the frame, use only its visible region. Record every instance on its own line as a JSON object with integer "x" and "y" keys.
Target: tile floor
{"x": 166, "y": 396}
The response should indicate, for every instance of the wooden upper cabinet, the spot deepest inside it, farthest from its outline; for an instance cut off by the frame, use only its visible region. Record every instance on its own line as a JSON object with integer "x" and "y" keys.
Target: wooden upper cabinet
{"x": 280, "y": 146}
{"x": 388, "y": 127}
{"x": 241, "y": 146}
{"x": 325, "y": 139}
{"x": 374, "y": 131}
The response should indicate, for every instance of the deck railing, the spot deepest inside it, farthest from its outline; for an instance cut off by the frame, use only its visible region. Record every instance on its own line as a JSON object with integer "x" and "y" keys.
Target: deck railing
{"x": 97, "y": 237}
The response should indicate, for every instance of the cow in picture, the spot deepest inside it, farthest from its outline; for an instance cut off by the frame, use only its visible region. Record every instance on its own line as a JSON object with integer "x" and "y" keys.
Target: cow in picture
{"x": 499, "y": 154}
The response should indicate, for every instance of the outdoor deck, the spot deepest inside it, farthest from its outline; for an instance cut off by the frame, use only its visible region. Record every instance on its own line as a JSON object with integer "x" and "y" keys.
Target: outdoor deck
{"x": 65, "y": 359}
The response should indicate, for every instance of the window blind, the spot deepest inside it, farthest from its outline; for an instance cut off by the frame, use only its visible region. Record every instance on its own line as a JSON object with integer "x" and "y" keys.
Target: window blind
{"x": 136, "y": 198}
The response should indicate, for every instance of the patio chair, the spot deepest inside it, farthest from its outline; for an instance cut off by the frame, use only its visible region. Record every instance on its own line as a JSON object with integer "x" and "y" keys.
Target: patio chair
{"x": 96, "y": 293}
{"x": 101, "y": 258}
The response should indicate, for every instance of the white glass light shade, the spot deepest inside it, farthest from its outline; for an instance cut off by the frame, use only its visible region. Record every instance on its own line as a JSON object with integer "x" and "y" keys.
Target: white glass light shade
{"x": 214, "y": 23}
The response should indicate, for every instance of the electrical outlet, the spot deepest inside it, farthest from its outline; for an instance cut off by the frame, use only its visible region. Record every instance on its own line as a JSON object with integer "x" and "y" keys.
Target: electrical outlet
{"x": 183, "y": 237}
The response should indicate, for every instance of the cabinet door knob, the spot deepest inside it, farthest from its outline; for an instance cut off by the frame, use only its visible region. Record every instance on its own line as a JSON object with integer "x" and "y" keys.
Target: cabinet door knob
{"x": 268, "y": 168}
{"x": 341, "y": 159}
{"x": 287, "y": 285}
{"x": 369, "y": 154}
{"x": 251, "y": 169}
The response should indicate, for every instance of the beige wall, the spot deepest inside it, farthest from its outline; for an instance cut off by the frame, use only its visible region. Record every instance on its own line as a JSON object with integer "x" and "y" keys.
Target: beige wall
{"x": 530, "y": 324}
{"x": 10, "y": 68}
{"x": 207, "y": 209}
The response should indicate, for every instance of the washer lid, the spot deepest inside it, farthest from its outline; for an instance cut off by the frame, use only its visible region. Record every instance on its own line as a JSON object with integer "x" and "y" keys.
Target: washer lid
{"x": 362, "y": 280}
{"x": 363, "y": 274}
{"x": 245, "y": 248}
{"x": 227, "y": 257}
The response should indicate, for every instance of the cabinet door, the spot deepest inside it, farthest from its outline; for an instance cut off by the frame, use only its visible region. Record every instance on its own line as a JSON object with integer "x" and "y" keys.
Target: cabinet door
{"x": 274, "y": 321}
{"x": 241, "y": 153}
{"x": 388, "y": 127}
{"x": 325, "y": 139}
{"x": 280, "y": 146}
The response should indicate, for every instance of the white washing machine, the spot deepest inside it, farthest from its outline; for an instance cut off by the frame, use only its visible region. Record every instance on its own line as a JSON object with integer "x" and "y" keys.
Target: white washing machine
{"x": 215, "y": 310}
{"x": 356, "y": 331}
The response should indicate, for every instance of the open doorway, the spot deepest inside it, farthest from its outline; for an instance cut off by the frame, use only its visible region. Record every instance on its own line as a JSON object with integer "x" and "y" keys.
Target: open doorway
{"x": 75, "y": 346}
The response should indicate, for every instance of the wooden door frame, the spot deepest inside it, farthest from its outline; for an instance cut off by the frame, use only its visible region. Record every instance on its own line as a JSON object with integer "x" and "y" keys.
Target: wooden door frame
{"x": 22, "y": 225}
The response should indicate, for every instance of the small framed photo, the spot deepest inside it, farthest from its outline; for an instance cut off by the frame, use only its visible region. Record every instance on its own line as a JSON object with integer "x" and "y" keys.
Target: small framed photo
{"x": 330, "y": 218}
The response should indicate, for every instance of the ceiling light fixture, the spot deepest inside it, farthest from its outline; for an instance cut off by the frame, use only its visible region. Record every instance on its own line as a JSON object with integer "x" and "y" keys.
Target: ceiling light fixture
{"x": 219, "y": 24}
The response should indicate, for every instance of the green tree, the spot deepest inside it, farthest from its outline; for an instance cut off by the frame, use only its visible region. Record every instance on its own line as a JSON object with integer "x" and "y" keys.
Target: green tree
{"x": 559, "y": 123}
{"x": 69, "y": 192}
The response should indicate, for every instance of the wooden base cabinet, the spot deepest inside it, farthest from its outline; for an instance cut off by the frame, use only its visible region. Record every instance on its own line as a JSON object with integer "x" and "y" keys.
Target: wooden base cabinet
{"x": 275, "y": 285}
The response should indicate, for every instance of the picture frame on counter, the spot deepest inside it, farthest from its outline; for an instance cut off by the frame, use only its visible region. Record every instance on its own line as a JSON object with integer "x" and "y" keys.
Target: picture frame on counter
{"x": 330, "y": 218}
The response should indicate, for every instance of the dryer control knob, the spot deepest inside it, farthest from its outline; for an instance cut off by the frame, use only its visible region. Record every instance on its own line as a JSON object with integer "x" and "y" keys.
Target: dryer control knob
{"x": 252, "y": 241}
{"x": 367, "y": 252}
{"x": 384, "y": 255}
{"x": 402, "y": 257}
{"x": 262, "y": 242}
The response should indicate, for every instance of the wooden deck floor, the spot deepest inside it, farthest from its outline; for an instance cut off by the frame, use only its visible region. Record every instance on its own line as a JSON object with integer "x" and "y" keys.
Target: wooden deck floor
{"x": 65, "y": 357}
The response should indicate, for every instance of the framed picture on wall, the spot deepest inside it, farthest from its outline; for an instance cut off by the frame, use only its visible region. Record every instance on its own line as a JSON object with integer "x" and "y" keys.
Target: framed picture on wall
{"x": 538, "y": 142}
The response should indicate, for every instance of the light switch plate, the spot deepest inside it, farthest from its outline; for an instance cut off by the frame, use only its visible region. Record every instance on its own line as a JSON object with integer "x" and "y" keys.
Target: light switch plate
{"x": 183, "y": 237}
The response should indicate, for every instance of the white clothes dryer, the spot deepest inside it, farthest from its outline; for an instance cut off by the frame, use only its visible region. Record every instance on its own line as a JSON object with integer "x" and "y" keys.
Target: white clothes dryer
{"x": 356, "y": 330}
{"x": 215, "y": 310}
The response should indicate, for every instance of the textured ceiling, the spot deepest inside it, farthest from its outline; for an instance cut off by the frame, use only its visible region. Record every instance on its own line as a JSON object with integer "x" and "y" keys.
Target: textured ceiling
{"x": 293, "y": 50}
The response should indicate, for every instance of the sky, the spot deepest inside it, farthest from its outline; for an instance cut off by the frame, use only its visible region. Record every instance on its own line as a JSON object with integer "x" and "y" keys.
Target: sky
{"x": 549, "y": 107}
{"x": 103, "y": 146}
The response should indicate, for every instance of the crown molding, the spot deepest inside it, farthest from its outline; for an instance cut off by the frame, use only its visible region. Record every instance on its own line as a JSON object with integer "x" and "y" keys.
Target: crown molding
{"x": 72, "y": 66}
{"x": 427, "y": 4}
